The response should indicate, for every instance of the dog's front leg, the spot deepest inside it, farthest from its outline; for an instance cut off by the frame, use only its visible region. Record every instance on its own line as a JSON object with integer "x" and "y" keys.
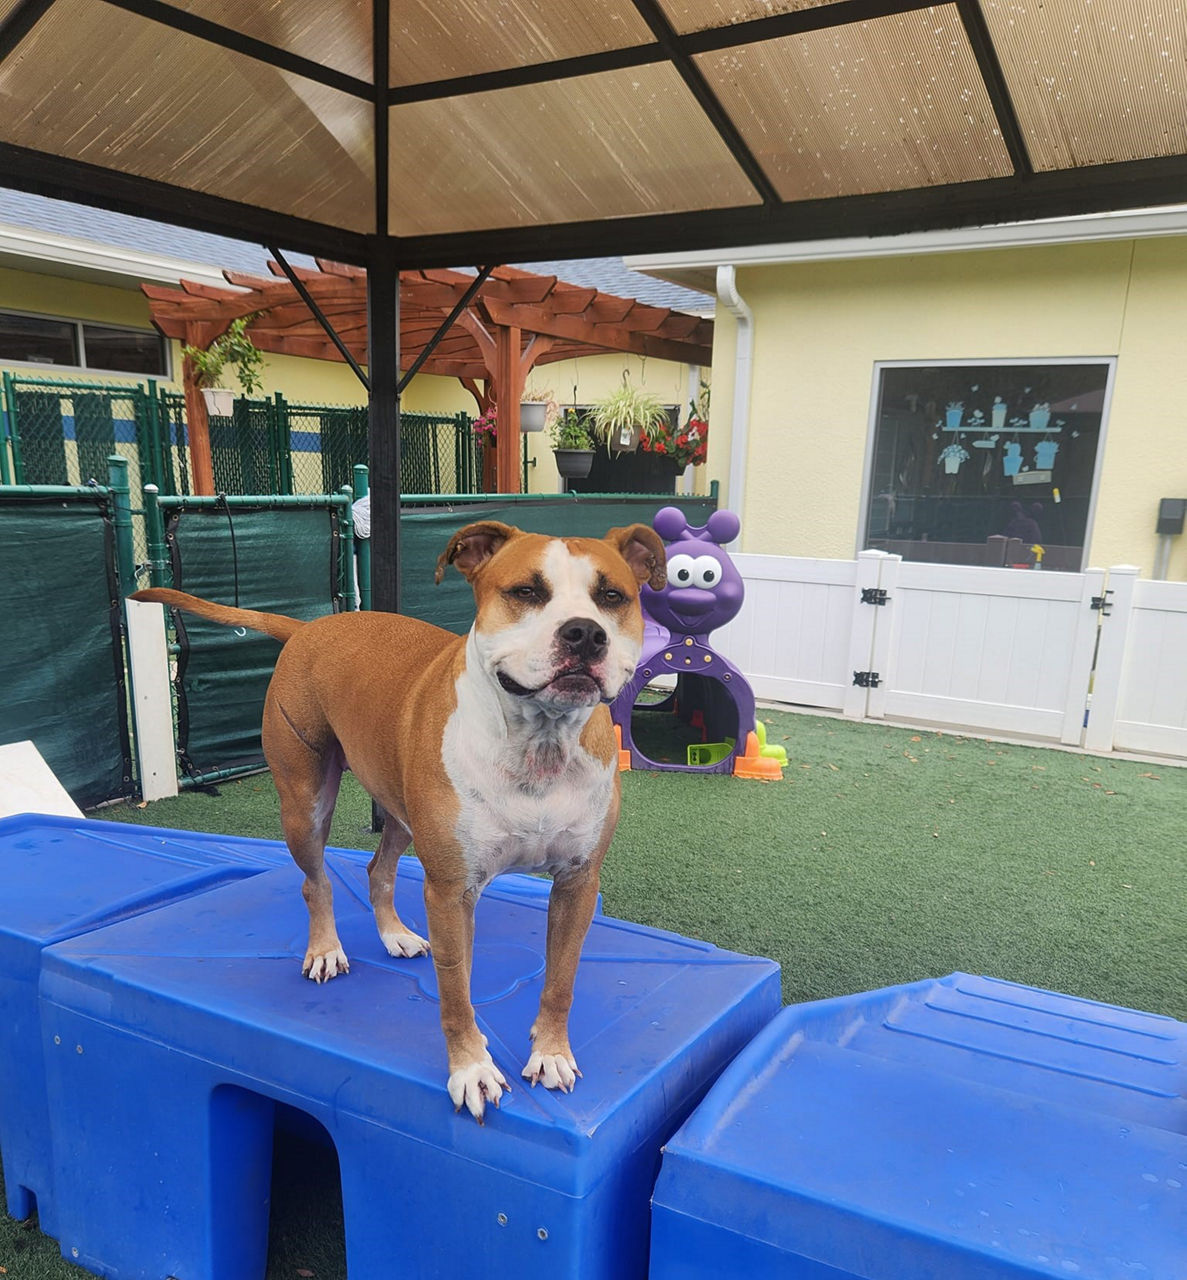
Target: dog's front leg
{"x": 473, "y": 1077}
{"x": 570, "y": 910}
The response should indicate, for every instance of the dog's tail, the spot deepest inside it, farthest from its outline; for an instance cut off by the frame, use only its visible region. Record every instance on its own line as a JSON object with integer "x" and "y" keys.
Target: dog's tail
{"x": 277, "y": 625}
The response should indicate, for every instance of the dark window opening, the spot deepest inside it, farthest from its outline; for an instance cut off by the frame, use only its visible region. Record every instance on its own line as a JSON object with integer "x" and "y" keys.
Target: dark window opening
{"x": 981, "y": 464}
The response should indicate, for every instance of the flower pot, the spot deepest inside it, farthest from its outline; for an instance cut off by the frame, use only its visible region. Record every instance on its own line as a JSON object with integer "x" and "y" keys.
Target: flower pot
{"x": 532, "y": 414}
{"x": 998, "y": 415}
{"x": 625, "y": 440}
{"x": 952, "y": 418}
{"x": 220, "y": 401}
{"x": 573, "y": 464}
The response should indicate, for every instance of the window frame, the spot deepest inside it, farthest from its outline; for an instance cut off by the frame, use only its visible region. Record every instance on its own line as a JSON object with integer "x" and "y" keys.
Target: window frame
{"x": 80, "y": 342}
{"x": 867, "y": 473}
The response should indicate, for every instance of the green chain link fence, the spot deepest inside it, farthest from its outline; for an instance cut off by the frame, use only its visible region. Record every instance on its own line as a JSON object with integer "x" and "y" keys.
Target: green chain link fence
{"x": 60, "y": 431}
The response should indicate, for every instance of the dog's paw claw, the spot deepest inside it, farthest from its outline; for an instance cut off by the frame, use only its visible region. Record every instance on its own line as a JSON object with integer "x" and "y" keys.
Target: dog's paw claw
{"x": 405, "y": 943}
{"x": 321, "y": 968}
{"x": 476, "y": 1085}
{"x": 552, "y": 1070}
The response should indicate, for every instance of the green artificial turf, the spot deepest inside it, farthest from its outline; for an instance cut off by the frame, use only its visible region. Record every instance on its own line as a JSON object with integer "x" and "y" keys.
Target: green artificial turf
{"x": 885, "y": 855}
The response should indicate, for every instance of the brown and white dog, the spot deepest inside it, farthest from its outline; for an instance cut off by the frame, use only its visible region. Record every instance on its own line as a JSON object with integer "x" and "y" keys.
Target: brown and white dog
{"x": 494, "y": 751}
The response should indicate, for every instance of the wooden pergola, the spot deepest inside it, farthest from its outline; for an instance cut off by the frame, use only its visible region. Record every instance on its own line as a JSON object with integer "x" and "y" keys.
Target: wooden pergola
{"x": 489, "y": 337}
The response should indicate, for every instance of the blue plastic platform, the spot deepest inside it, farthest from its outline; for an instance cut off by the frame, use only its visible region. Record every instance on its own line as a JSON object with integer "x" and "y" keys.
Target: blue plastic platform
{"x": 170, "y": 1037}
{"x": 63, "y": 877}
{"x": 959, "y": 1129}
{"x": 66, "y": 876}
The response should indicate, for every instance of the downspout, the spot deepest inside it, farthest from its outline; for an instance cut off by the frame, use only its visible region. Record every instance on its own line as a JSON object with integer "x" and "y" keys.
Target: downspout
{"x": 732, "y": 300}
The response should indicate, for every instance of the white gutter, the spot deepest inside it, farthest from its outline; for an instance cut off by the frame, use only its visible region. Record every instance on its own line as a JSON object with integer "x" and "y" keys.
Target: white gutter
{"x": 734, "y": 303}
{"x": 27, "y": 249}
{"x": 1167, "y": 221}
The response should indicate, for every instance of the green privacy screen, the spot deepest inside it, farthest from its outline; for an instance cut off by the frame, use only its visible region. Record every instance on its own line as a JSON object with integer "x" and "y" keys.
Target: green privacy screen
{"x": 279, "y": 560}
{"x": 425, "y": 532}
{"x": 61, "y": 672}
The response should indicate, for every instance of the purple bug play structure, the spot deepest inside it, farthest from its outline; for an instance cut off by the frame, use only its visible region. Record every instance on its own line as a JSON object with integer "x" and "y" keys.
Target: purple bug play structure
{"x": 704, "y": 592}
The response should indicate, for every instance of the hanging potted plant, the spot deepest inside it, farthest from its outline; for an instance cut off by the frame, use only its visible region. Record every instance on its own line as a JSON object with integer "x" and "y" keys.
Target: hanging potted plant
{"x": 572, "y": 446}
{"x": 236, "y": 348}
{"x": 627, "y": 415}
{"x": 537, "y": 409}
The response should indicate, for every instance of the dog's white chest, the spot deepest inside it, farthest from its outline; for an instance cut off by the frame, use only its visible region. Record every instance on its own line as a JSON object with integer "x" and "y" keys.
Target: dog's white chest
{"x": 525, "y": 803}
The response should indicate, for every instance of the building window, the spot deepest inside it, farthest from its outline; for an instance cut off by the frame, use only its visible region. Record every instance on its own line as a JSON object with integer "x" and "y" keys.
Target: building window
{"x": 79, "y": 345}
{"x": 984, "y": 463}
{"x": 28, "y": 340}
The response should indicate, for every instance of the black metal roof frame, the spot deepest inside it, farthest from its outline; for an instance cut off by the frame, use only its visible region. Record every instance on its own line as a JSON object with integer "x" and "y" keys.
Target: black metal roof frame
{"x": 1023, "y": 195}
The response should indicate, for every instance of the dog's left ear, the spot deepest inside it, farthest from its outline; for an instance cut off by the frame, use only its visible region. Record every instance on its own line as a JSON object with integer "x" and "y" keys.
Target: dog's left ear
{"x": 643, "y": 549}
{"x": 470, "y": 548}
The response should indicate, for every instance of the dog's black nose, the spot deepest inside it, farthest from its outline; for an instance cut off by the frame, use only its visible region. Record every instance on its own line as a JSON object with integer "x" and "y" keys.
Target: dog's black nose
{"x": 583, "y": 638}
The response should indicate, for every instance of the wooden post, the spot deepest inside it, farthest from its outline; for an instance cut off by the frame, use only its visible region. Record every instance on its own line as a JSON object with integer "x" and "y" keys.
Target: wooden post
{"x": 509, "y": 388}
{"x": 196, "y": 422}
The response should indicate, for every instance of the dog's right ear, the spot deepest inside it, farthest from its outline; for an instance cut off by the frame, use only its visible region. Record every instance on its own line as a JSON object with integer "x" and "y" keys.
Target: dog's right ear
{"x": 470, "y": 548}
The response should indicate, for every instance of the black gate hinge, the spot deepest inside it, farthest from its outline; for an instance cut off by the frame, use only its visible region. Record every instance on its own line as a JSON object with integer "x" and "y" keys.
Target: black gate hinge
{"x": 867, "y": 679}
{"x": 873, "y": 595}
{"x": 1103, "y": 604}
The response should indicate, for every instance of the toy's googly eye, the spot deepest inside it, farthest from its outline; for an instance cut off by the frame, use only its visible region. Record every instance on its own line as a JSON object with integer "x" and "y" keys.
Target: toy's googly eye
{"x": 706, "y": 572}
{"x": 682, "y": 571}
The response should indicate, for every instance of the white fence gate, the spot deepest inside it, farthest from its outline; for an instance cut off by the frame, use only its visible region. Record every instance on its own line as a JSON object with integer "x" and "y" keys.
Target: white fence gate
{"x": 976, "y": 649}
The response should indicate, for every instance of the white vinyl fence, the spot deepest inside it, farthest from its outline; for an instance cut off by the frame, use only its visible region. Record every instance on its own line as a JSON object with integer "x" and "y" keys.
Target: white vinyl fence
{"x": 1094, "y": 659}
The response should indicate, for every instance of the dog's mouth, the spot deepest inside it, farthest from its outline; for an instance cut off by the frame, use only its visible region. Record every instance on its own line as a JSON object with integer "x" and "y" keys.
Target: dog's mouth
{"x": 575, "y": 683}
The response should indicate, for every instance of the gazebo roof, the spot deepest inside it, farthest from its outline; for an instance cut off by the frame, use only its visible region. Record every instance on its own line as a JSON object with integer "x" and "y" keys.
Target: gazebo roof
{"x": 454, "y": 133}
{"x": 578, "y": 321}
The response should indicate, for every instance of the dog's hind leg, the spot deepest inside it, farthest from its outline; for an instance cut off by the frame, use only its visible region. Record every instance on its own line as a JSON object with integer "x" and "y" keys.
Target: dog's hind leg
{"x": 381, "y": 875}
{"x": 307, "y": 775}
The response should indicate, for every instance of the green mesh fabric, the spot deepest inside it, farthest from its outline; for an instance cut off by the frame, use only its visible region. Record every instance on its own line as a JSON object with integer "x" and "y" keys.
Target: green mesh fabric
{"x": 425, "y": 533}
{"x": 283, "y": 561}
{"x": 60, "y": 668}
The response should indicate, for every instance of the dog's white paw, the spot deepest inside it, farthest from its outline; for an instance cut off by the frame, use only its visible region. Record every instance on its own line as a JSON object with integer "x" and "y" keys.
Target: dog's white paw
{"x": 552, "y": 1070}
{"x": 404, "y": 943}
{"x": 327, "y": 965}
{"x": 476, "y": 1085}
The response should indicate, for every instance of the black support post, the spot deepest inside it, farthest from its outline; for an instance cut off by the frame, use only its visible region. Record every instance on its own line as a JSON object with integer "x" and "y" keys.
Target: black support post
{"x": 383, "y": 368}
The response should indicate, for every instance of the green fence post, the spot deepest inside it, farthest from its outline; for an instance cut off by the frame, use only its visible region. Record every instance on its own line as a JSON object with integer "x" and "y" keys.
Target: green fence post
{"x": 158, "y": 548}
{"x": 5, "y": 411}
{"x": 151, "y": 443}
{"x": 121, "y": 518}
{"x": 283, "y": 443}
{"x": 350, "y": 600}
{"x": 363, "y": 545}
{"x": 14, "y": 431}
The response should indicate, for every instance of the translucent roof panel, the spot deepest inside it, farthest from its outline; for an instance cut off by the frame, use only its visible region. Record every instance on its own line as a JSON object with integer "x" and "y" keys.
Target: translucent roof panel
{"x": 604, "y": 146}
{"x": 336, "y": 33}
{"x": 699, "y": 15}
{"x": 184, "y": 111}
{"x": 884, "y": 105}
{"x": 440, "y": 39}
{"x": 1095, "y": 82}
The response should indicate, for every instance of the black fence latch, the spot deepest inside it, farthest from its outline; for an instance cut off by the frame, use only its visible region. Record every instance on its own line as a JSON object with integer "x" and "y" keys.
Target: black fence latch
{"x": 1103, "y": 604}
{"x": 867, "y": 679}
{"x": 873, "y": 595}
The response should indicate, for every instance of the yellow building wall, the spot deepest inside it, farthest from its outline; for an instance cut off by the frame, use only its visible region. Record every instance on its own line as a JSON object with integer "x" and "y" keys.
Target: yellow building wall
{"x": 820, "y": 327}
{"x": 325, "y": 382}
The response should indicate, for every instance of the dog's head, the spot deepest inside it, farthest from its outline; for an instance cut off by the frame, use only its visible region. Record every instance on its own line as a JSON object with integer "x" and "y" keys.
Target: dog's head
{"x": 558, "y": 618}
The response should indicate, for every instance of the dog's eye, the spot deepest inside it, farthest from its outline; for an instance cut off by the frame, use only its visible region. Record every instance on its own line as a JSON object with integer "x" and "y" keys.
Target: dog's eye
{"x": 611, "y": 596}
{"x": 524, "y": 592}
